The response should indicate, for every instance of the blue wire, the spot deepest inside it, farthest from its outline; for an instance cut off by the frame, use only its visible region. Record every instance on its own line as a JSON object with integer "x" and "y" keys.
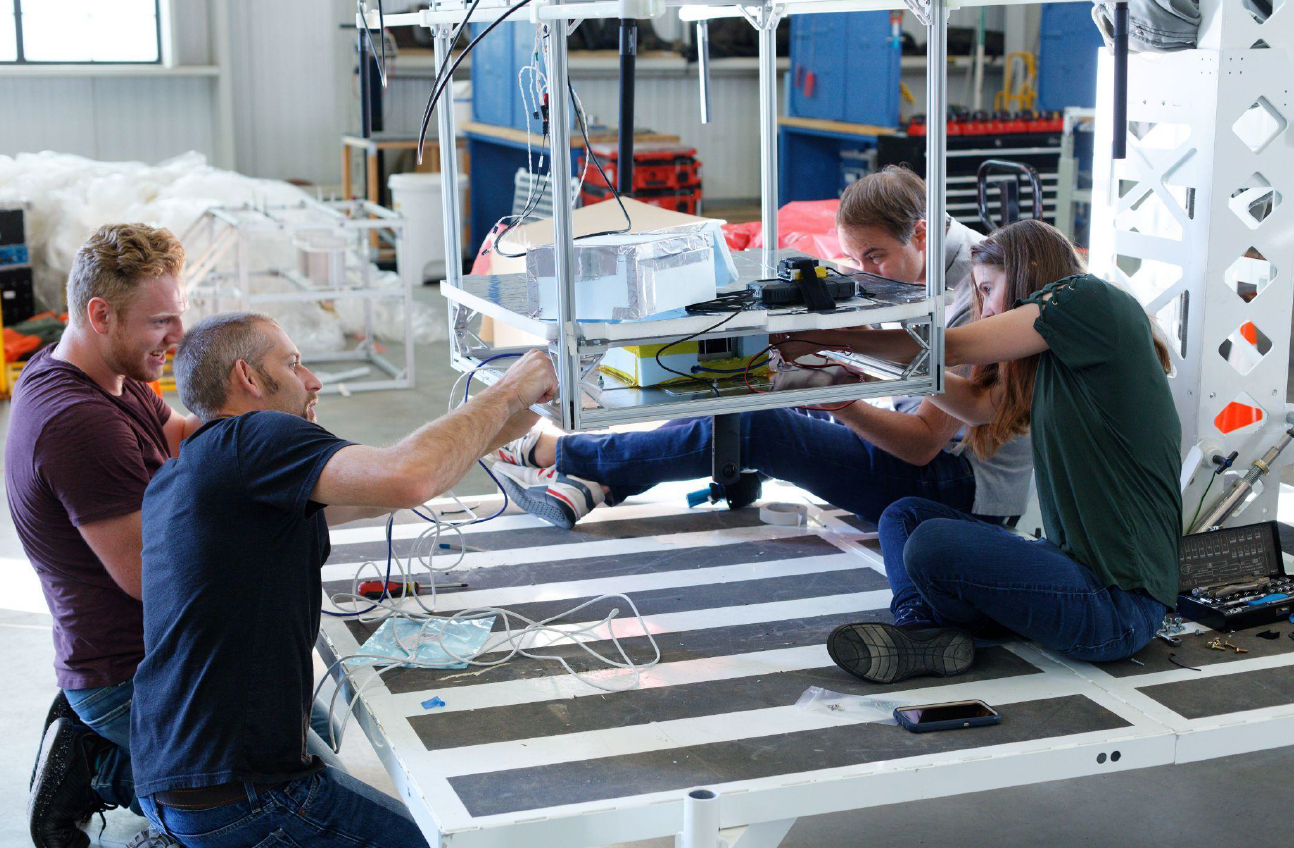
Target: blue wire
{"x": 466, "y": 388}
{"x": 390, "y": 521}
{"x": 386, "y": 581}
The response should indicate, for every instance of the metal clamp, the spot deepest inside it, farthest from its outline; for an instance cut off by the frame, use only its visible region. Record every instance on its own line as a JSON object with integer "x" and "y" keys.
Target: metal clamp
{"x": 921, "y": 9}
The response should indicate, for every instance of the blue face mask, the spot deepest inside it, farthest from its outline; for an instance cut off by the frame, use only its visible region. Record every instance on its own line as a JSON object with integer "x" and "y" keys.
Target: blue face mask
{"x": 426, "y": 641}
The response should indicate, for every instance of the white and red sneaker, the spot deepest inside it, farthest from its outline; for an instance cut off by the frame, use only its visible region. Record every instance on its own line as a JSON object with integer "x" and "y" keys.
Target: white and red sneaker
{"x": 545, "y": 493}
{"x": 520, "y": 451}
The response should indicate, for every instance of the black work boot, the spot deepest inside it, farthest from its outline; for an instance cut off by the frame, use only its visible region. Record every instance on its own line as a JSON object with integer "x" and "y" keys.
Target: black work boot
{"x": 61, "y": 793}
{"x": 59, "y": 708}
{"x": 884, "y": 653}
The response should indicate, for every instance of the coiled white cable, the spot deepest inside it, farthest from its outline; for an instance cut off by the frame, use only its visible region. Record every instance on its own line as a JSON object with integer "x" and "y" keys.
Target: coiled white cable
{"x": 521, "y": 634}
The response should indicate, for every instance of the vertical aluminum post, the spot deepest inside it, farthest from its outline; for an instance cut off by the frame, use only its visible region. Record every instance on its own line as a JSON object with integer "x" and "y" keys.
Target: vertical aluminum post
{"x": 767, "y": 26}
{"x": 568, "y": 360}
{"x": 936, "y": 161}
{"x": 448, "y": 172}
{"x": 703, "y": 66}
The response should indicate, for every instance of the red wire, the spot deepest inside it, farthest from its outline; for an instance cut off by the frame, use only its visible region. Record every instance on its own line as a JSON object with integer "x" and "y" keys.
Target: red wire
{"x": 745, "y": 378}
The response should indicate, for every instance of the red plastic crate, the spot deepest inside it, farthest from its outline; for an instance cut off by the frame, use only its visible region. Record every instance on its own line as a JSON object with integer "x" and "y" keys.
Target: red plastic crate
{"x": 661, "y": 168}
{"x": 687, "y": 200}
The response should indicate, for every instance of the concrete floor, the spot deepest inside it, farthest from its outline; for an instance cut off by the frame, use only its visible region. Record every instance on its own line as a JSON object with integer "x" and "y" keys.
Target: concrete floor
{"x": 1234, "y": 801}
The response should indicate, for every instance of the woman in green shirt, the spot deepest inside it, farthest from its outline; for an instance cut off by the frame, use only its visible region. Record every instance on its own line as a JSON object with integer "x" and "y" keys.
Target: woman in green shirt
{"x": 1078, "y": 366}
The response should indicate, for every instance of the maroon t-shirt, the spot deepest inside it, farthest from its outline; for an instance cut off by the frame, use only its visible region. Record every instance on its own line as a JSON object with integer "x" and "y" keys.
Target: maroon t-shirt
{"x": 75, "y": 455}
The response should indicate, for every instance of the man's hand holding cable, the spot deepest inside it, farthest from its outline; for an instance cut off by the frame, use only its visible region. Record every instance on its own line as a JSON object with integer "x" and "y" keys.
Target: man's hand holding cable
{"x": 529, "y": 381}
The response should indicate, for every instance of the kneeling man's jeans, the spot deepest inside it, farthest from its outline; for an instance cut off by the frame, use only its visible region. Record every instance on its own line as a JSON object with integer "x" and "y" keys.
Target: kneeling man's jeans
{"x": 106, "y": 711}
{"x": 330, "y": 808}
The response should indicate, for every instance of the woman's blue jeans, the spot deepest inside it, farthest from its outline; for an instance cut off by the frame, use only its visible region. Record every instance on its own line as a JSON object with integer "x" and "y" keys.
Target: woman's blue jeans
{"x": 816, "y": 454}
{"x": 949, "y": 569}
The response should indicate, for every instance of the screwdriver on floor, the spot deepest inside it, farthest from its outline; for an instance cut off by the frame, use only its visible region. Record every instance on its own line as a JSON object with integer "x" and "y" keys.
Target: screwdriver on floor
{"x": 372, "y": 589}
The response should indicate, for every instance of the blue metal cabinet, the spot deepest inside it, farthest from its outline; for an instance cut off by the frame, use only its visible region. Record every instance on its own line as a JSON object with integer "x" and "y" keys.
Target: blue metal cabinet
{"x": 496, "y": 61}
{"x": 1067, "y": 57}
{"x": 853, "y": 59}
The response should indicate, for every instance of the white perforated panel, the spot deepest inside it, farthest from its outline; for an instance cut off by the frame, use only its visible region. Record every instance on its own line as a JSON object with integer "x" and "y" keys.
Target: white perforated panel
{"x": 1194, "y": 222}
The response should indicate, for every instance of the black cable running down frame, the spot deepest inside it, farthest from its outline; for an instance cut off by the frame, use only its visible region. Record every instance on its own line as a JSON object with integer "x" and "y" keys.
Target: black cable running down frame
{"x": 1120, "y": 122}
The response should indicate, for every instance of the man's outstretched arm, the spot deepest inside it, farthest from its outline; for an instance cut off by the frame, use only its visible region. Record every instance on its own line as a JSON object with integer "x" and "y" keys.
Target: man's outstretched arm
{"x": 434, "y": 457}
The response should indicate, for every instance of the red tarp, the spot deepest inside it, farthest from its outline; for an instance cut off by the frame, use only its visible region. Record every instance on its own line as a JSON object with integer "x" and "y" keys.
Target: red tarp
{"x": 808, "y": 226}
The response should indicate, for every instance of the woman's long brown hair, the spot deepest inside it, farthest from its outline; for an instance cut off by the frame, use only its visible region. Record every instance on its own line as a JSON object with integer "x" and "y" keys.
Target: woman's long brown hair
{"x": 1032, "y": 254}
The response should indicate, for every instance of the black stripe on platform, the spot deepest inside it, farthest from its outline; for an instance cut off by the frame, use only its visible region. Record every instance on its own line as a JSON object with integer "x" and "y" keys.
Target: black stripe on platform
{"x": 1232, "y": 693}
{"x": 691, "y": 700}
{"x": 621, "y": 565}
{"x": 858, "y": 523}
{"x": 715, "y": 595}
{"x": 534, "y": 537}
{"x": 1193, "y": 652}
{"x": 674, "y": 647}
{"x": 672, "y": 769}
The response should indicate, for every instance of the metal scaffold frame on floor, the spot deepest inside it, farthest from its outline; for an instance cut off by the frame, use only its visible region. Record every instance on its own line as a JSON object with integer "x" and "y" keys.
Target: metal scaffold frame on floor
{"x": 342, "y": 270}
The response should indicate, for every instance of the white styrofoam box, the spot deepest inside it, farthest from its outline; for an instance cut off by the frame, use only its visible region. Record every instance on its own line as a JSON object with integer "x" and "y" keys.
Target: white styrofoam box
{"x": 627, "y": 277}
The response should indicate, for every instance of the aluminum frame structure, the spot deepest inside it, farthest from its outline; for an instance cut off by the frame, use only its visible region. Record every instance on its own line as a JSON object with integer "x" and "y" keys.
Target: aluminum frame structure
{"x": 579, "y": 404}
{"x": 225, "y": 232}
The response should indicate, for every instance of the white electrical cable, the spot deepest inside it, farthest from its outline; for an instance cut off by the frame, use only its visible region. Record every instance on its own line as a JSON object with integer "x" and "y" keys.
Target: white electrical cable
{"x": 521, "y": 635}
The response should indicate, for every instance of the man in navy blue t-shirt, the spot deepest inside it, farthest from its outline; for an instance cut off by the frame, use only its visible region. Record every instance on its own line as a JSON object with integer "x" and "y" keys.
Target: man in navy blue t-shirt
{"x": 236, "y": 532}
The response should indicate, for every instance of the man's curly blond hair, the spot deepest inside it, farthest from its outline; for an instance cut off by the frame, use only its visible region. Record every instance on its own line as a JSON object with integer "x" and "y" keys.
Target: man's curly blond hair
{"x": 115, "y": 261}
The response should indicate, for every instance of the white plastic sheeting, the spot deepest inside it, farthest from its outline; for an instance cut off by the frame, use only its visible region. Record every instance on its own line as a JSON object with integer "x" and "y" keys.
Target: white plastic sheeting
{"x": 71, "y": 196}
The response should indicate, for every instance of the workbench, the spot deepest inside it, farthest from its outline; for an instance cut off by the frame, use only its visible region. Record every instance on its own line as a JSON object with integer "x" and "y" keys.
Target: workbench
{"x": 524, "y": 754}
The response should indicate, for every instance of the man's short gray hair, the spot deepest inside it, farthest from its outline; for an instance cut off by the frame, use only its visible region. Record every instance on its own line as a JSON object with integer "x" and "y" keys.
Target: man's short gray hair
{"x": 208, "y": 352}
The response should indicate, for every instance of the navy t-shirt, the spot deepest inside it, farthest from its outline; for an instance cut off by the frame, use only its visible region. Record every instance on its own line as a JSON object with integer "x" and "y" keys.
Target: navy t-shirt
{"x": 233, "y": 548}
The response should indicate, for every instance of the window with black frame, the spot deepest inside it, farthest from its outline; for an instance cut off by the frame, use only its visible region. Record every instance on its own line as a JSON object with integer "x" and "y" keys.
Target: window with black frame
{"x": 76, "y": 32}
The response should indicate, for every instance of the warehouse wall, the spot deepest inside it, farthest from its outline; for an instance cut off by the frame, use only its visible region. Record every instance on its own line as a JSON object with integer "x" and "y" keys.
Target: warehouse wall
{"x": 291, "y": 93}
{"x": 291, "y": 87}
{"x": 118, "y": 117}
{"x": 289, "y": 75}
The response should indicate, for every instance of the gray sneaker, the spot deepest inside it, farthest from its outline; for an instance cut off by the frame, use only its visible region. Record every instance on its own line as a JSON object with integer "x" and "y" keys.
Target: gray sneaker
{"x": 545, "y": 493}
{"x": 150, "y": 837}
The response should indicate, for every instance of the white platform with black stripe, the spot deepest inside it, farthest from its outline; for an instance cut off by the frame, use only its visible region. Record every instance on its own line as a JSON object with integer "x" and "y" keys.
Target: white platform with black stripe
{"x": 525, "y": 755}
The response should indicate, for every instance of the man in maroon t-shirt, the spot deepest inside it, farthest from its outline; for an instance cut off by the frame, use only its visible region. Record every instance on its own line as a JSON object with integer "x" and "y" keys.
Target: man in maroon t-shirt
{"x": 86, "y": 434}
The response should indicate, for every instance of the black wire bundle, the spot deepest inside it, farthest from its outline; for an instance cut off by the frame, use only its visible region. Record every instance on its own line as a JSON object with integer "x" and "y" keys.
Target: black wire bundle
{"x": 588, "y": 151}
{"x": 445, "y": 75}
{"x": 692, "y": 377}
{"x": 727, "y": 302}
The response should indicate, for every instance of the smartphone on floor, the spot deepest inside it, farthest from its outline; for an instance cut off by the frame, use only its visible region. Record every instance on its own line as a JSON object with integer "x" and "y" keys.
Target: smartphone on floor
{"x": 953, "y": 715}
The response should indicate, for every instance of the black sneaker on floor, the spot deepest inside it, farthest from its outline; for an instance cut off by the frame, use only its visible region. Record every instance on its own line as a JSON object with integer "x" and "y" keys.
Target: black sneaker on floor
{"x": 883, "y": 653}
{"x": 59, "y": 708}
{"x": 61, "y": 794}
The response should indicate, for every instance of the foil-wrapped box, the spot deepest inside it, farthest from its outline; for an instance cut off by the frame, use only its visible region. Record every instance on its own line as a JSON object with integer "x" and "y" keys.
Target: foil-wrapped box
{"x": 631, "y": 276}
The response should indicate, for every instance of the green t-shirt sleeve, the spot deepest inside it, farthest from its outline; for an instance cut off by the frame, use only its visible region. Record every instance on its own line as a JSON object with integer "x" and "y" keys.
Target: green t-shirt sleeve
{"x": 1078, "y": 320}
